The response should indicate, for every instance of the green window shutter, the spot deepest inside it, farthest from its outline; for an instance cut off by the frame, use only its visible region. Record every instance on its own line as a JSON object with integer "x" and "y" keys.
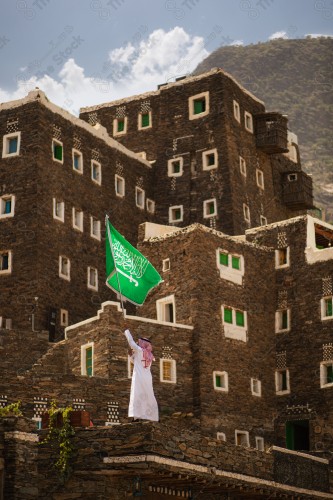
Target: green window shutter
{"x": 57, "y": 152}
{"x": 227, "y": 315}
{"x": 12, "y": 147}
{"x": 284, "y": 320}
{"x": 329, "y": 374}
{"x": 224, "y": 259}
{"x": 177, "y": 214}
{"x": 218, "y": 382}
{"x": 8, "y": 206}
{"x": 176, "y": 167}
{"x": 239, "y": 318}
{"x": 211, "y": 208}
{"x": 145, "y": 120}
{"x": 284, "y": 386}
{"x": 89, "y": 361}
{"x": 121, "y": 126}
{"x": 199, "y": 106}
{"x": 235, "y": 262}
{"x": 329, "y": 307}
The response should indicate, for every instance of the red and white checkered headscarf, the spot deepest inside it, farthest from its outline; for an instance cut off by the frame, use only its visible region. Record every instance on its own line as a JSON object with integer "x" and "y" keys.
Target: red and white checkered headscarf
{"x": 147, "y": 351}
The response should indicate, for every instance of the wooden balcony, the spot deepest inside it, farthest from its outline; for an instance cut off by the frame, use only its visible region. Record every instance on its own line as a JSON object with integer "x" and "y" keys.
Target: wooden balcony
{"x": 271, "y": 132}
{"x": 297, "y": 190}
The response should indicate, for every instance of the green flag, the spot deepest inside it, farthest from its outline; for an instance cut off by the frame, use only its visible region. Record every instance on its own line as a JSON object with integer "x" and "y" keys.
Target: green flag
{"x": 128, "y": 272}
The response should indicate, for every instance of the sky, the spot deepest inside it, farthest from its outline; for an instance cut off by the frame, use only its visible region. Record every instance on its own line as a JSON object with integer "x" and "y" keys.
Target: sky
{"x": 86, "y": 52}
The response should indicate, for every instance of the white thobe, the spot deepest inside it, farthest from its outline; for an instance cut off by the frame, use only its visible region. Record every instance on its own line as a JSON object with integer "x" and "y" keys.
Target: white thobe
{"x": 142, "y": 400}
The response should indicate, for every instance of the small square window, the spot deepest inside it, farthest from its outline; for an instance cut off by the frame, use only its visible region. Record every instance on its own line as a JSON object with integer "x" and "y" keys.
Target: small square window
{"x": 231, "y": 266}
{"x": 168, "y": 371}
{"x": 236, "y": 109}
{"x": 209, "y": 208}
{"x": 220, "y": 381}
{"x": 240, "y": 318}
{"x": 166, "y": 310}
{"x": 282, "y": 257}
{"x": 326, "y": 374}
{"x": 176, "y": 213}
{"x": 5, "y": 262}
{"x": 120, "y": 126}
{"x": 7, "y": 206}
{"x": 260, "y": 178}
{"x": 327, "y": 307}
{"x": 119, "y": 186}
{"x": 11, "y": 144}
{"x": 77, "y": 219}
{"x": 145, "y": 120}
{"x": 220, "y": 436}
{"x": 77, "y": 161}
{"x": 282, "y": 384}
{"x": 234, "y": 323}
{"x": 95, "y": 228}
{"x": 209, "y": 159}
{"x": 58, "y": 210}
{"x": 198, "y": 105}
{"x": 260, "y": 443}
{"x": 242, "y": 438}
{"x": 246, "y": 212}
{"x": 64, "y": 268}
{"x": 139, "y": 197}
{"x": 175, "y": 167}
{"x": 166, "y": 265}
{"x": 228, "y": 315}
{"x": 263, "y": 220}
{"x": 92, "y": 278}
{"x": 224, "y": 259}
{"x": 282, "y": 320}
{"x": 255, "y": 387}
{"x": 150, "y": 204}
{"x": 87, "y": 360}
{"x": 63, "y": 317}
{"x": 248, "y": 121}
{"x": 57, "y": 150}
{"x": 96, "y": 172}
{"x": 235, "y": 262}
{"x": 242, "y": 166}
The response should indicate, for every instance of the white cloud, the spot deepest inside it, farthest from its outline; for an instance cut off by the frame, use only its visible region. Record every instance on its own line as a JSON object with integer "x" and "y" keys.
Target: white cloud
{"x": 278, "y": 34}
{"x": 237, "y": 43}
{"x": 130, "y": 69}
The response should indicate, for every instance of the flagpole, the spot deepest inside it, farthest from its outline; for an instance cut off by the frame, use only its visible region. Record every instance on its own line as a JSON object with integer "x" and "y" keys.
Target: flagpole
{"x": 115, "y": 264}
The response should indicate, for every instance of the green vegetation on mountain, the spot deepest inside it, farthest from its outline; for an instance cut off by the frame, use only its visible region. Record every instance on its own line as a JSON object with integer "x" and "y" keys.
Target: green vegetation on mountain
{"x": 294, "y": 77}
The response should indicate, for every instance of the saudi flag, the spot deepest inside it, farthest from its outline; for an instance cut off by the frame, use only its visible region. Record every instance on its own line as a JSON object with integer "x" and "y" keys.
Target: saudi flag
{"x": 128, "y": 271}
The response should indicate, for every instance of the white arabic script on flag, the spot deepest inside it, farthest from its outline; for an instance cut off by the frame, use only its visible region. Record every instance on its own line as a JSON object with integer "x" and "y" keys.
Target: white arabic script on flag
{"x": 132, "y": 266}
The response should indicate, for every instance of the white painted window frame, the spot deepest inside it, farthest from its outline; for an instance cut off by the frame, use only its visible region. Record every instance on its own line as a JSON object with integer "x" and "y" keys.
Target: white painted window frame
{"x": 63, "y": 317}
{"x": 10, "y": 259}
{"x": 323, "y": 308}
{"x": 166, "y": 265}
{"x": 171, "y": 211}
{"x": 60, "y": 218}
{"x": 228, "y": 272}
{"x": 179, "y": 159}
{"x": 278, "y": 391}
{"x": 5, "y": 141}
{"x": 140, "y": 192}
{"x": 191, "y": 114}
{"x": 206, "y": 203}
{"x": 97, "y": 164}
{"x": 242, "y": 433}
{"x": 248, "y": 116}
{"x": 255, "y": 392}
{"x": 260, "y": 443}
{"x": 242, "y": 166}
{"x": 323, "y": 374}
{"x": 75, "y": 212}
{"x": 205, "y": 155}
{"x": 260, "y": 178}
{"x": 173, "y": 370}
{"x": 89, "y": 285}
{"x": 231, "y": 330}
{"x": 236, "y": 110}
{"x": 263, "y": 220}
{"x": 92, "y": 234}
{"x": 224, "y": 376}
{"x": 83, "y": 358}
{"x": 160, "y": 309}
{"x": 150, "y": 206}
{"x": 282, "y": 266}
{"x": 278, "y": 320}
{"x": 220, "y": 436}
{"x": 3, "y": 200}
{"x": 76, "y": 152}
{"x": 140, "y": 127}
{"x": 60, "y": 143}
{"x": 116, "y": 133}
{"x": 119, "y": 181}
{"x": 246, "y": 213}
{"x": 67, "y": 276}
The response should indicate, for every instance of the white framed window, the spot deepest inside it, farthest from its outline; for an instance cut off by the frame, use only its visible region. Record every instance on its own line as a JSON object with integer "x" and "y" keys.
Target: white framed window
{"x": 119, "y": 184}
{"x": 175, "y": 167}
{"x": 7, "y": 206}
{"x": 96, "y": 172}
{"x": 260, "y": 443}
{"x": 260, "y": 178}
{"x": 198, "y": 105}
{"x": 263, "y": 220}
{"x": 282, "y": 320}
{"x": 230, "y": 265}
{"x": 145, "y": 120}
{"x": 282, "y": 382}
{"x": 150, "y": 205}
{"x": 130, "y": 366}
{"x": 63, "y": 317}
{"x": 176, "y": 213}
{"x": 220, "y": 436}
{"x": 220, "y": 381}
{"x": 77, "y": 218}
{"x": 87, "y": 359}
{"x": 139, "y": 197}
{"x": 166, "y": 265}
{"x": 168, "y": 372}
{"x": 120, "y": 126}
{"x": 209, "y": 208}
{"x": 57, "y": 151}
{"x": 5, "y": 261}
{"x": 242, "y": 166}
{"x": 282, "y": 257}
{"x": 326, "y": 374}
{"x": 77, "y": 159}
{"x": 234, "y": 323}
{"x": 248, "y": 121}
{"x": 58, "y": 210}
{"x": 95, "y": 228}
{"x": 326, "y": 307}
{"x": 166, "y": 309}
{"x": 64, "y": 267}
{"x": 209, "y": 159}
{"x": 255, "y": 387}
{"x": 11, "y": 144}
{"x": 246, "y": 212}
{"x": 92, "y": 278}
{"x": 236, "y": 109}
{"x": 242, "y": 438}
